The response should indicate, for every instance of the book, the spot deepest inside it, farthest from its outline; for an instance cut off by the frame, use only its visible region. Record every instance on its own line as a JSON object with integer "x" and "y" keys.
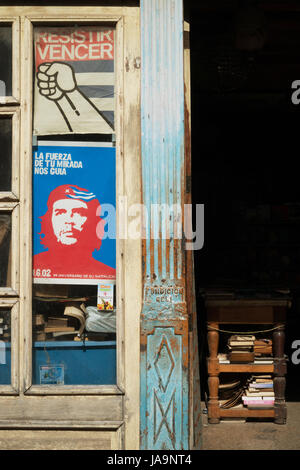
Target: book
{"x": 260, "y": 394}
{"x": 258, "y": 402}
{"x": 76, "y": 318}
{"x": 54, "y": 293}
{"x": 263, "y": 360}
{"x": 241, "y": 343}
{"x": 235, "y": 399}
{"x": 40, "y": 336}
{"x": 77, "y": 312}
{"x": 50, "y": 290}
{"x": 264, "y": 406}
{"x": 57, "y": 325}
{"x": 240, "y": 348}
{"x": 246, "y": 398}
{"x": 228, "y": 386}
{"x": 223, "y": 358}
{"x": 261, "y": 391}
{"x": 242, "y": 338}
{"x": 261, "y": 377}
{"x": 263, "y": 346}
{"x": 216, "y": 293}
{"x": 5, "y": 330}
{"x": 231, "y": 390}
{"x": 263, "y": 381}
{"x": 58, "y": 329}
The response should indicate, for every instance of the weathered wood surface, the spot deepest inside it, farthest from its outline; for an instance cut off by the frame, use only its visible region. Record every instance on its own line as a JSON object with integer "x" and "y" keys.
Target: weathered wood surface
{"x": 57, "y": 440}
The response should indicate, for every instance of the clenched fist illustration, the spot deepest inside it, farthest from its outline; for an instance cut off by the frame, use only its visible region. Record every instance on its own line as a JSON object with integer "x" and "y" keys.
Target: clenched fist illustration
{"x": 55, "y": 79}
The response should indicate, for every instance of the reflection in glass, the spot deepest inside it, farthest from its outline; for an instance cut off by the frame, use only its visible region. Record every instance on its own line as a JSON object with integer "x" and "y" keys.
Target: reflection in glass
{"x": 5, "y": 153}
{"x": 5, "y": 249}
{"x": 5, "y": 61}
{"x": 75, "y": 341}
{"x": 5, "y": 348}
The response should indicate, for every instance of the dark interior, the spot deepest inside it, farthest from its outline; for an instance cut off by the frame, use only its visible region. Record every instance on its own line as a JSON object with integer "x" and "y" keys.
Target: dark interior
{"x": 245, "y": 58}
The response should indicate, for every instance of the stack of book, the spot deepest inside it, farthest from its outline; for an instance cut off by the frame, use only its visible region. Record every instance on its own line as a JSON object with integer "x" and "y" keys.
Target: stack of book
{"x": 263, "y": 351}
{"x": 241, "y": 348}
{"x": 58, "y": 325}
{"x": 38, "y": 323}
{"x": 260, "y": 392}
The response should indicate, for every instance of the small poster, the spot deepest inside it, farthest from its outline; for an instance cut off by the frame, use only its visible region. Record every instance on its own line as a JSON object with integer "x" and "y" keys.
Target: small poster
{"x": 105, "y": 299}
{"x": 52, "y": 375}
{"x": 74, "y": 192}
{"x": 74, "y": 80}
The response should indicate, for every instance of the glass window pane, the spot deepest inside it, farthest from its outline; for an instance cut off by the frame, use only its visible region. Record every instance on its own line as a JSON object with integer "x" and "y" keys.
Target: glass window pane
{"x": 5, "y": 153}
{"x": 5, "y": 347}
{"x": 5, "y": 249}
{"x": 6, "y": 61}
{"x": 74, "y": 191}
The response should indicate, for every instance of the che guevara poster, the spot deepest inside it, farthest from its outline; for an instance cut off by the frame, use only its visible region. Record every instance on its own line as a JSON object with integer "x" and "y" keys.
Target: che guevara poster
{"x": 74, "y": 212}
{"x": 74, "y": 80}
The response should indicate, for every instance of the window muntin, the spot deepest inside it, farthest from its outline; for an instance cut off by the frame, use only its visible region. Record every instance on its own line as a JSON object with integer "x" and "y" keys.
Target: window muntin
{"x": 6, "y": 60}
{"x": 9, "y": 210}
{"x": 5, "y": 249}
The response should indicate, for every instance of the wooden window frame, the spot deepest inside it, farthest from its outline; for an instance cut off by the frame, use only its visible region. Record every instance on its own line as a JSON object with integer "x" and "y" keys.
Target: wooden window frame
{"x": 13, "y": 290}
{"x": 105, "y": 407}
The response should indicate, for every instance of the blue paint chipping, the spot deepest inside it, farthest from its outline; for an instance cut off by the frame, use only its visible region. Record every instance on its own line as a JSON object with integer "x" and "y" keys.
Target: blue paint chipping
{"x": 164, "y": 380}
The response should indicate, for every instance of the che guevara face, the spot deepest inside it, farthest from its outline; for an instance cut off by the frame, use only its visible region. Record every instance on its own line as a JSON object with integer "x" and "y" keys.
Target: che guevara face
{"x": 68, "y": 219}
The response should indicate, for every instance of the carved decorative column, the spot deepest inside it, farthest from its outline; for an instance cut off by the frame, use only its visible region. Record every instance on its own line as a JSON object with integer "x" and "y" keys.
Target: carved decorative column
{"x": 164, "y": 319}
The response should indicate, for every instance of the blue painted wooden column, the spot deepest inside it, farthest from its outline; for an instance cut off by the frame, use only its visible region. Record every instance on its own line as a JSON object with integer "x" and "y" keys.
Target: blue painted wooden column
{"x": 164, "y": 320}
